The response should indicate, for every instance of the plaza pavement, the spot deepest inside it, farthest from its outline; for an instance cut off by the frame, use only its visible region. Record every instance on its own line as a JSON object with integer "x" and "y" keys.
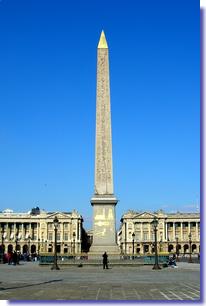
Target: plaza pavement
{"x": 29, "y": 281}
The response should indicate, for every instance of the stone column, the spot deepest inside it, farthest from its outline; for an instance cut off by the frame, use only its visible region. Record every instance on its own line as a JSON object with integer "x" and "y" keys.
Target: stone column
{"x": 22, "y": 231}
{"x": 141, "y": 232}
{"x": 30, "y": 233}
{"x": 189, "y": 228}
{"x": 149, "y": 226}
{"x": 125, "y": 237}
{"x": 196, "y": 231}
{"x": 7, "y": 232}
{"x": 61, "y": 231}
{"x": 173, "y": 231}
{"x": 15, "y": 232}
{"x": 80, "y": 231}
{"x": 181, "y": 232}
{"x": 77, "y": 235}
{"x": 166, "y": 231}
{"x": 38, "y": 232}
{"x": 80, "y": 235}
{"x": 163, "y": 231}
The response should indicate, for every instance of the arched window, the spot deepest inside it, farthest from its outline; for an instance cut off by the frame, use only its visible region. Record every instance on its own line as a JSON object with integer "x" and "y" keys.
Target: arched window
{"x": 10, "y": 248}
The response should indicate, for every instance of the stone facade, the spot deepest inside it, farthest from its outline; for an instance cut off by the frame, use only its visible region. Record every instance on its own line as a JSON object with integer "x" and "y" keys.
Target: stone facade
{"x": 136, "y": 232}
{"x": 33, "y": 232}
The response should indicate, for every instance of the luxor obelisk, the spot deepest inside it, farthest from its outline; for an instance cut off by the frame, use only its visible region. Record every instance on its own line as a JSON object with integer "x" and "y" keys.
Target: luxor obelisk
{"x": 103, "y": 200}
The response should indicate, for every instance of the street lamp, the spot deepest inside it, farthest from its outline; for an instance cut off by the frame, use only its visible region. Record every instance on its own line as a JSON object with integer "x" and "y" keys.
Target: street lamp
{"x": 2, "y": 244}
{"x": 38, "y": 246}
{"x": 133, "y": 235}
{"x": 55, "y": 266}
{"x": 45, "y": 246}
{"x": 29, "y": 240}
{"x": 190, "y": 243}
{"x": 16, "y": 240}
{"x": 168, "y": 244}
{"x": 177, "y": 249}
{"x": 155, "y": 223}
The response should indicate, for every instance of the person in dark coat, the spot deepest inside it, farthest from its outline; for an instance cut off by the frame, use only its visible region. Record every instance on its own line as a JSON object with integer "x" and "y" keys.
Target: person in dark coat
{"x": 15, "y": 258}
{"x": 105, "y": 260}
{"x": 9, "y": 256}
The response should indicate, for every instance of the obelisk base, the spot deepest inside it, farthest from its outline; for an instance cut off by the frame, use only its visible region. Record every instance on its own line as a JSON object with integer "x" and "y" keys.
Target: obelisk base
{"x": 104, "y": 228}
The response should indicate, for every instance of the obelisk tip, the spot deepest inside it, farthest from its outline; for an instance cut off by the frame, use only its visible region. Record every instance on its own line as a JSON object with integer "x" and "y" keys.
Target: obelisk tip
{"x": 102, "y": 41}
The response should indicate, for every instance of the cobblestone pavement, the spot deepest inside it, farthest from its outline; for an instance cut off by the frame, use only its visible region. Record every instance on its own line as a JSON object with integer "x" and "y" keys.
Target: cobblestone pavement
{"x": 29, "y": 281}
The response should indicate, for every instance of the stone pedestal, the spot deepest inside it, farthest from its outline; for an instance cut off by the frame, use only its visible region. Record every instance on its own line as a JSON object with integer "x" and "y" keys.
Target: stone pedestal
{"x": 104, "y": 228}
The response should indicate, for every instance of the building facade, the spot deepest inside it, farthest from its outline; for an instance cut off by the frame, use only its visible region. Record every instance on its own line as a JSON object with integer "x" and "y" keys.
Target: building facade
{"x": 175, "y": 232}
{"x": 33, "y": 232}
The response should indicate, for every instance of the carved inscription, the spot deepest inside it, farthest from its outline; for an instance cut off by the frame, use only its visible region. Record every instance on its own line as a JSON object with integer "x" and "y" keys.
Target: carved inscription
{"x": 103, "y": 156}
{"x": 104, "y": 223}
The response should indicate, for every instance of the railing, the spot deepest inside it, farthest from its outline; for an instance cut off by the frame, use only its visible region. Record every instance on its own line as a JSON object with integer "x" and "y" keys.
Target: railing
{"x": 48, "y": 258}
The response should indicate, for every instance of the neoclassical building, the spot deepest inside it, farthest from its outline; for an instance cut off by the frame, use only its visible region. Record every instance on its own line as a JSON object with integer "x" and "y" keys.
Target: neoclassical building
{"x": 136, "y": 232}
{"x": 33, "y": 231}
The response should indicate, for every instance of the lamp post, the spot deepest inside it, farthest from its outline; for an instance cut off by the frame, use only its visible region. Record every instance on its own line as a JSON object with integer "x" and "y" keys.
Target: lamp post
{"x": 45, "y": 246}
{"x": 168, "y": 244}
{"x": 55, "y": 266}
{"x": 29, "y": 240}
{"x": 38, "y": 246}
{"x": 16, "y": 240}
{"x": 133, "y": 235}
{"x": 2, "y": 244}
{"x": 155, "y": 223}
{"x": 177, "y": 249}
{"x": 190, "y": 243}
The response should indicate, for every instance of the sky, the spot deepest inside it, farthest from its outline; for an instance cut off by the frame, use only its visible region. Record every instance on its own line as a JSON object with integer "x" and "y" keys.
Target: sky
{"x": 48, "y": 97}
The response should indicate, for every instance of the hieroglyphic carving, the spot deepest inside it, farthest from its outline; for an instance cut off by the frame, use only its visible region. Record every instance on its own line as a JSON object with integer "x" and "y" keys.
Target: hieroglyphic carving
{"x": 103, "y": 221}
{"x": 103, "y": 157}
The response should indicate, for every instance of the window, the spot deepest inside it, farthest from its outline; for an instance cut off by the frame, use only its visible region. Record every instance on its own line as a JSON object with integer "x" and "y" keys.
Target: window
{"x": 145, "y": 236}
{"x": 50, "y": 226}
{"x": 137, "y": 235}
{"x": 58, "y": 236}
{"x": 66, "y": 236}
{"x": 130, "y": 226}
{"x": 66, "y": 226}
{"x": 50, "y": 236}
{"x": 145, "y": 225}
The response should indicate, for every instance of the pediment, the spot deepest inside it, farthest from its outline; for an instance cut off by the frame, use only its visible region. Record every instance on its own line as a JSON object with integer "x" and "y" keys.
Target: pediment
{"x": 146, "y": 215}
{"x": 59, "y": 215}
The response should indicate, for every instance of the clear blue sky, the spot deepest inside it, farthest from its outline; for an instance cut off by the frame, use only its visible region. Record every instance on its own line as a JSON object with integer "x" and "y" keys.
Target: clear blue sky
{"x": 48, "y": 97}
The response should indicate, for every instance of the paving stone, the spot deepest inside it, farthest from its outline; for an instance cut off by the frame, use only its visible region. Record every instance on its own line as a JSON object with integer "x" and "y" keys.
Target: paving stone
{"x": 30, "y": 281}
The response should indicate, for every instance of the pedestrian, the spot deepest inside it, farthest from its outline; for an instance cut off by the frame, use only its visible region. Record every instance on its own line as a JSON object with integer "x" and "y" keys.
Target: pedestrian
{"x": 105, "y": 260}
{"x": 9, "y": 256}
{"x": 15, "y": 258}
{"x": 18, "y": 257}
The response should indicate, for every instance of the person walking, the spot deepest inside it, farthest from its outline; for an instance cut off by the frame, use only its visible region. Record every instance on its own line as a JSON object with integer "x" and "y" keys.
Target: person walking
{"x": 9, "y": 256}
{"x": 15, "y": 258}
{"x": 105, "y": 260}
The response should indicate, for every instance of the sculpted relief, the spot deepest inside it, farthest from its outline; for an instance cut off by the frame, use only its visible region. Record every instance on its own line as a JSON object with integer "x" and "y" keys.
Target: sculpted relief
{"x": 103, "y": 221}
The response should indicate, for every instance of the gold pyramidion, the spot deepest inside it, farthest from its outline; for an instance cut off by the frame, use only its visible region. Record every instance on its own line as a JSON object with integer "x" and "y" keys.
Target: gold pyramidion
{"x": 102, "y": 41}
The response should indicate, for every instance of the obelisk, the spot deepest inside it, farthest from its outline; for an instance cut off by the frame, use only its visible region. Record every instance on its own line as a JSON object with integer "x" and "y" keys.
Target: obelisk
{"x": 103, "y": 200}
